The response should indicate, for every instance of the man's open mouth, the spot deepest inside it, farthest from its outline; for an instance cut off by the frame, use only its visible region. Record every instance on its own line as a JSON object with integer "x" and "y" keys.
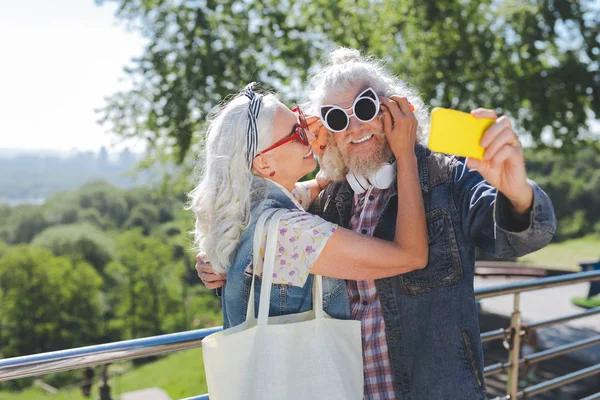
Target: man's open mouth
{"x": 364, "y": 139}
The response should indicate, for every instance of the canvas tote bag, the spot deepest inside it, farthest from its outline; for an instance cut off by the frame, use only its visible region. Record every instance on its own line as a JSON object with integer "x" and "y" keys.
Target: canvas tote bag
{"x": 306, "y": 356}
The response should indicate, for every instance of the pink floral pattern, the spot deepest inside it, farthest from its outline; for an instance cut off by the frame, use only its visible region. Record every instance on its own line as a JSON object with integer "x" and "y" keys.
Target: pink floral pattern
{"x": 302, "y": 194}
{"x": 302, "y": 237}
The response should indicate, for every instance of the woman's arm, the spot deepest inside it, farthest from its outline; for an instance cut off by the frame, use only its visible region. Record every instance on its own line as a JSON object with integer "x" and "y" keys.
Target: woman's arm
{"x": 312, "y": 188}
{"x": 349, "y": 255}
{"x": 316, "y": 185}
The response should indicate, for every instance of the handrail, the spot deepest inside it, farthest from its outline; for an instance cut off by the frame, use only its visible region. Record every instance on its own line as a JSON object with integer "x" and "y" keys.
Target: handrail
{"x": 537, "y": 284}
{"x": 499, "y": 333}
{"x": 64, "y": 360}
{"x": 593, "y": 397}
{"x": 517, "y": 329}
{"x": 557, "y": 382}
{"x": 544, "y": 355}
{"x": 39, "y": 364}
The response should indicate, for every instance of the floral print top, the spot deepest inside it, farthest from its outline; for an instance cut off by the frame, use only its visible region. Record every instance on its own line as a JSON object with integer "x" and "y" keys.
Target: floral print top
{"x": 302, "y": 237}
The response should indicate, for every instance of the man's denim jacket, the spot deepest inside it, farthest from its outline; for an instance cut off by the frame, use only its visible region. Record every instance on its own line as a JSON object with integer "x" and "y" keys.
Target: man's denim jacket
{"x": 430, "y": 314}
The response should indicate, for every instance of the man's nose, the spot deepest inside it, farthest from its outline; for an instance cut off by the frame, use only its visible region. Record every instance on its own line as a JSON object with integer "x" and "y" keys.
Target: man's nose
{"x": 355, "y": 125}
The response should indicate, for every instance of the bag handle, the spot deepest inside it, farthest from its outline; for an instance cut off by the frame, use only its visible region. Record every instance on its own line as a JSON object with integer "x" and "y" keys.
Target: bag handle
{"x": 318, "y": 297}
{"x": 268, "y": 268}
{"x": 258, "y": 234}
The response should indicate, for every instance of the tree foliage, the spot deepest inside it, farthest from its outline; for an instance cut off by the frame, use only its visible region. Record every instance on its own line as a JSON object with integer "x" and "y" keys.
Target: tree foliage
{"x": 88, "y": 283}
{"x": 573, "y": 184}
{"x": 82, "y": 241}
{"x": 146, "y": 287}
{"x": 537, "y": 60}
{"x": 48, "y": 302}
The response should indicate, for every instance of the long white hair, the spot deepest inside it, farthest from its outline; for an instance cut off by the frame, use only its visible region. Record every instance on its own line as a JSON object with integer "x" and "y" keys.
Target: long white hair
{"x": 345, "y": 69}
{"x": 227, "y": 187}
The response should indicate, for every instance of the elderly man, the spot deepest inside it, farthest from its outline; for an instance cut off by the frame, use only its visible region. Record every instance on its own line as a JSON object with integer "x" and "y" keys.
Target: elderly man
{"x": 420, "y": 330}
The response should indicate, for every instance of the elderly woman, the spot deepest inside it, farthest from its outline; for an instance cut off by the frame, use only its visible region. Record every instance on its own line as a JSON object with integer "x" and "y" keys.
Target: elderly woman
{"x": 256, "y": 151}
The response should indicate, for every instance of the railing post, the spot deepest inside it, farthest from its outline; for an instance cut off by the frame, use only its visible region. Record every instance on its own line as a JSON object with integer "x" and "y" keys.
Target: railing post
{"x": 514, "y": 349}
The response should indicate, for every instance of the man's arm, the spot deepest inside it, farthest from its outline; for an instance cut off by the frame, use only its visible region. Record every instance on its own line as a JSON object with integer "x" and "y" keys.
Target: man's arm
{"x": 502, "y": 211}
{"x": 492, "y": 223}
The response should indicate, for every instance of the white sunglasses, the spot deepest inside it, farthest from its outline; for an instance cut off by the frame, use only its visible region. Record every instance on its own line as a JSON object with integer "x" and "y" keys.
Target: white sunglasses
{"x": 365, "y": 109}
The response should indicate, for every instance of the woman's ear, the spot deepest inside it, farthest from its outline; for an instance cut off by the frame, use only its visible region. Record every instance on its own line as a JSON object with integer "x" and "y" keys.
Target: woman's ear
{"x": 261, "y": 165}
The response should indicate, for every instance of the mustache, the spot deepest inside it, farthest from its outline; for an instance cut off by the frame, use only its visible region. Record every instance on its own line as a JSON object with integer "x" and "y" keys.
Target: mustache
{"x": 350, "y": 138}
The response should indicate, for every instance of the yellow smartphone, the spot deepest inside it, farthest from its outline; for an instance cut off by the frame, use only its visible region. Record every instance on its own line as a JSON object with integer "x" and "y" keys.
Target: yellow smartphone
{"x": 456, "y": 132}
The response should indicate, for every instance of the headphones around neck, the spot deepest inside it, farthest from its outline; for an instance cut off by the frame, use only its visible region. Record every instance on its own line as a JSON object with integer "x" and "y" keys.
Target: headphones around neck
{"x": 381, "y": 179}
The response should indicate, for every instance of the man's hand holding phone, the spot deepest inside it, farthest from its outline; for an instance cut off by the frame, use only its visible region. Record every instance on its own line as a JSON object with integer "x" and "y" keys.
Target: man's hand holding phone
{"x": 492, "y": 147}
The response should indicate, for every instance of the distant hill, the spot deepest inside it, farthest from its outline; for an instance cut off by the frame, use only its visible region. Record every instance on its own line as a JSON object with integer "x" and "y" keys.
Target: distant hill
{"x": 30, "y": 177}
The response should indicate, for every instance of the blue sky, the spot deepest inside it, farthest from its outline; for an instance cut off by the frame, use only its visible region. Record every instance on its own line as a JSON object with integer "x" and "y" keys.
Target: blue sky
{"x": 59, "y": 59}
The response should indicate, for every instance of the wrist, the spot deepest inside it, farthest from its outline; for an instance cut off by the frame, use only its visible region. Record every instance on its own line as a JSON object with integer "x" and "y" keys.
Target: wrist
{"x": 522, "y": 201}
{"x": 407, "y": 157}
{"x": 322, "y": 180}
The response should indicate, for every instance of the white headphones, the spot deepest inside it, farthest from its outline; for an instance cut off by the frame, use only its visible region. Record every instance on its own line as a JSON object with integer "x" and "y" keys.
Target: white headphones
{"x": 381, "y": 179}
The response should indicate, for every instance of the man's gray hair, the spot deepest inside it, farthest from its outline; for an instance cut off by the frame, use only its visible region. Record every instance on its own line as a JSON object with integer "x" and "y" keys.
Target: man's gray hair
{"x": 345, "y": 69}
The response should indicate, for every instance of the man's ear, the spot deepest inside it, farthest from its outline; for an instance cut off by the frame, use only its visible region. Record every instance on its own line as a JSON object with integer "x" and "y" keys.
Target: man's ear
{"x": 261, "y": 165}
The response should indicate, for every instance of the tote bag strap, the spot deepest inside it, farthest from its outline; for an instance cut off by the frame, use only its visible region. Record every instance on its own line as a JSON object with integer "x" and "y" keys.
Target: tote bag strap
{"x": 268, "y": 267}
{"x": 258, "y": 235}
{"x": 318, "y": 297}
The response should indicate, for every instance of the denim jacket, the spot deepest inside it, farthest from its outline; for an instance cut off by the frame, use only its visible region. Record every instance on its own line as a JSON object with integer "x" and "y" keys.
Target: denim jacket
{"x": 285, "y": 299}
{"x": 430, "y": 314}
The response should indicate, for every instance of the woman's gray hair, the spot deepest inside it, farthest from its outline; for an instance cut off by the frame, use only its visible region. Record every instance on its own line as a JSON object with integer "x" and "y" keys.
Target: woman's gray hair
{"x": 345, "y": 69}
{"x": 226, "y": 189}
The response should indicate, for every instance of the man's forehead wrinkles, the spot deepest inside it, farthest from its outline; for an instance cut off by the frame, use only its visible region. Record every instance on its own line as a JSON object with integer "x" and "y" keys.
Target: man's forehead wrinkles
{"x": 344, "y": 98}
{"x": 346, "y": 101}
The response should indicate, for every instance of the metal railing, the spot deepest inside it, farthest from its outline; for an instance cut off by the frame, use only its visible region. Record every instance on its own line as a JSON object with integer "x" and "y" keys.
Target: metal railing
{"x": 40, "y": 364}
{"x": 513, "y": 338}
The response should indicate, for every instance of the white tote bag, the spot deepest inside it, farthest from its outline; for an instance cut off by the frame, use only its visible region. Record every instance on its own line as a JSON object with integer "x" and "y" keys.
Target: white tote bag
{"x": 306, "y": 356}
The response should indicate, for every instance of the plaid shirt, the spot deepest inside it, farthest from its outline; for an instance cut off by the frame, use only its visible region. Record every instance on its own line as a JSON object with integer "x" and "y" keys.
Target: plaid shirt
{"x": 366, "y": 307}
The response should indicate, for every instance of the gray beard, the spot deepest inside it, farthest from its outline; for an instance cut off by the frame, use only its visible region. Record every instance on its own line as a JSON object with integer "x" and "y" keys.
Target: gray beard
{"x": 368, "y": 166}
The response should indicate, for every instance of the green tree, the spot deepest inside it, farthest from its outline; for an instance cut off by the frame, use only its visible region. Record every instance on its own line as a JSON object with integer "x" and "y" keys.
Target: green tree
{"x": 78, "y": 241}
{"x": 515, "y": 56}
{"x": 62, "y": 208}
{"x": 107, "y": 199}
{"x": 48, "y": 302}
{"x": 142, "y": 216}
{"x": 145, "y": 287}
{"x": 5, "y": 211}
{"x": 24, "y": 222}
{"x": 573, "y": 184}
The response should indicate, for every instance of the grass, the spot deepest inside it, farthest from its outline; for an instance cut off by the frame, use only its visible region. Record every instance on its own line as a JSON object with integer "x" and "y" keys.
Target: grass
{"x": 566, "y": 254}
{"x": 179, "y": 374}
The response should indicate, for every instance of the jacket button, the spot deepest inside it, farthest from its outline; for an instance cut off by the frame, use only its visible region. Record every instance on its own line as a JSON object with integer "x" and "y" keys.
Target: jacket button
{"x": 364, "y": 231}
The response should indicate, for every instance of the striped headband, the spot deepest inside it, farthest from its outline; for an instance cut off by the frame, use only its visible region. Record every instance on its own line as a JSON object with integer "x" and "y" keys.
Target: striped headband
{"x": 252, "y": 134}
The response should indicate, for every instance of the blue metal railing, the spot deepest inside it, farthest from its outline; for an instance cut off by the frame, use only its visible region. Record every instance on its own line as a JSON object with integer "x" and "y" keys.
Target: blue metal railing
{"x": 64, "y": 360}
{"x": 40, "y": 364}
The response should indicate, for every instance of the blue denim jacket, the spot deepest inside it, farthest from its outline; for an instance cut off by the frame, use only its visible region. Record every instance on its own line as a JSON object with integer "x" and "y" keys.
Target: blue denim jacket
{"x": 430, "y": 314}
{"x": 285, "y": 299}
